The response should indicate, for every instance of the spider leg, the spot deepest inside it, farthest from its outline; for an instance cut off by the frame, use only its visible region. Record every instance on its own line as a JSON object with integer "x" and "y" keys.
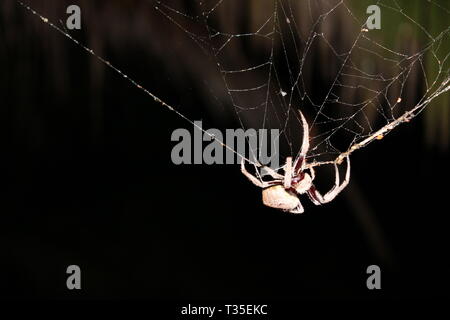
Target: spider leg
{"x": 257, "y": 182}
{"x": 300, "y": 160}
{"x": 311, "y": 192}
{"x": 313, "y": 196}
{"x": 288, "y": 173}
{"x": 317, "y": 198}
{"x": 298, "y": 209}
{"x": 313, "y": 173}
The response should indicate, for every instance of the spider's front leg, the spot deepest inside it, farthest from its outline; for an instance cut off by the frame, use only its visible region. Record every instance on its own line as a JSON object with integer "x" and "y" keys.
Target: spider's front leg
{"x": 300, "y": 161}
{"x": 317, "y": 198}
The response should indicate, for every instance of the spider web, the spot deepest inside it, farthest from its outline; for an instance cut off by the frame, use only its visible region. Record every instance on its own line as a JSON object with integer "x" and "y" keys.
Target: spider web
{"x": 320, "y": 58}
{"x": 354, "y": 85}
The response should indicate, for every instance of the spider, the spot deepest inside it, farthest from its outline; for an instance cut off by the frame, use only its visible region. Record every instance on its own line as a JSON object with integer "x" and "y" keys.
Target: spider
{"x": 282, "y": 192}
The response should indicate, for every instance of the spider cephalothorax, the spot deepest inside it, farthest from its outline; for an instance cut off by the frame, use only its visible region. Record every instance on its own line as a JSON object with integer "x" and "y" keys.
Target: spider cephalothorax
{"x": 282, "y": 192}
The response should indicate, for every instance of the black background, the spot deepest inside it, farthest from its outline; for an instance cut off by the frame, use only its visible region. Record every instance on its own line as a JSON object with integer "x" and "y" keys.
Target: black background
{"x": 99, "y": 190}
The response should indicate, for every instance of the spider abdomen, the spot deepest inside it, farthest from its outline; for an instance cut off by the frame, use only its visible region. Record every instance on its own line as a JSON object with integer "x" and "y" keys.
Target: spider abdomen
{"x": 280, "y": 198}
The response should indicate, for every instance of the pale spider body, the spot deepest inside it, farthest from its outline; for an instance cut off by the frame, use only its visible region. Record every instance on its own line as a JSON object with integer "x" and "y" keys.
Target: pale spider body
{"x": 282, "y": 192}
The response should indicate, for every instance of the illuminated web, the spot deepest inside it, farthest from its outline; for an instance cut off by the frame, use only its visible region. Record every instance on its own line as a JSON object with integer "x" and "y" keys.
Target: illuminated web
{"x": 319, "y": 57}
{"x": 276, "y": 58}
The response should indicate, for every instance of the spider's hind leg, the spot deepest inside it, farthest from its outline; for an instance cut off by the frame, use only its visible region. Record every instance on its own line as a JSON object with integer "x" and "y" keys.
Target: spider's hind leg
{"x": 317, "y": 198}
{"x": 299, "y": 209}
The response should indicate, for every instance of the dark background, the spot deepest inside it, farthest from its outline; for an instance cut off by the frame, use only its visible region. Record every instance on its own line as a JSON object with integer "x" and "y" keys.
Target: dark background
{"x": 87, "y": 179}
